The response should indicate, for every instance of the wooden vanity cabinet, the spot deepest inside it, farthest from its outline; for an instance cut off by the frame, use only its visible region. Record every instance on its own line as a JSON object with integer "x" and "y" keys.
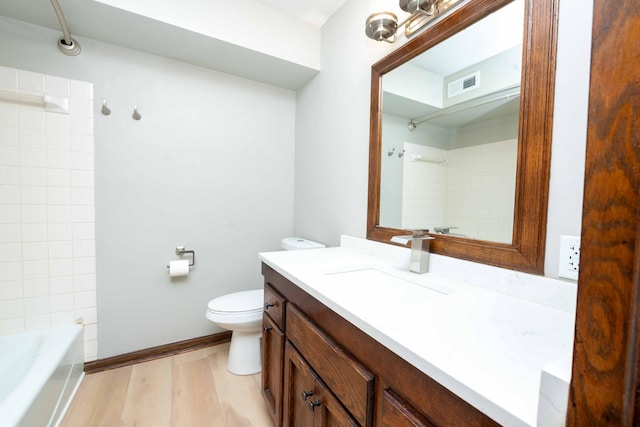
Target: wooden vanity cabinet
{"x": 307, "y": 400}
{"x": 358, "y": 381}
{"x": 273, "y": 340}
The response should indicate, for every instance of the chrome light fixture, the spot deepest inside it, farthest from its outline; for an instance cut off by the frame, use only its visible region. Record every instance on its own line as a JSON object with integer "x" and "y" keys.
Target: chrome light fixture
{"x": 383, "y": 26}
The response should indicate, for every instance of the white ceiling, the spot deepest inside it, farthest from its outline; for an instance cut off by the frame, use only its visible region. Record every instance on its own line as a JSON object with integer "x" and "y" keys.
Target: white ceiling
{"x": 315, "y": 12}
{"x": 287, "y": 56}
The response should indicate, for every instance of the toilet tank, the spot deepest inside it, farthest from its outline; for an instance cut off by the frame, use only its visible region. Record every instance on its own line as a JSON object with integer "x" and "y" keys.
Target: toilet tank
{"x": 296, "y": 243}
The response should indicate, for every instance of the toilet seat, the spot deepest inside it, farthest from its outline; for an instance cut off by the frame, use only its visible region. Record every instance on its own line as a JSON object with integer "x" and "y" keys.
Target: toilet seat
{"x": 237, "y": 303}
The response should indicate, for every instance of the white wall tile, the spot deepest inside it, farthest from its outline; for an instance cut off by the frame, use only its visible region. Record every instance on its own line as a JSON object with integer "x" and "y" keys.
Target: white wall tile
{"x": 62, "y": 302}
{"x": 9, "y": 115}
{"x": 82, "y": 178}
{"x": 81, "y": 107}
{"x": 34, "y": 232}
{"x": 10, "y": 271}
{"x": 35, "y": 251}
{"x": 11, "y": 290}
{"x": 9, "y": 175}
{"x": 40, "y": 321}
{"x": 84, "y": 231}
{"x": 8, "y": 79}
{"x": 60, "y": 232}
{"x": 83, "y": 213}
{"x": 82, "y": 196}
{"x": 9, "y": 194}
{"x": 84, "y": 248}
{"x": 35, "y": 269}
{"x": 40, "y": 215}
{"x": 59, "y": 195}
{"x": 10, "y": 214}
{"x": 9, "y": 135}
{"x": 84, "y": 265}
{"x": 34, "y": 138}
{"x": 84, "y": 299}
{"x": 88, "y": 314}
{"x": 61, "y": 267}
{"x": 9, "y": 155}
{"x": 11, "y": 252}
{"x": 32, "y": 157}
{"x": 80, "y": 89}
{"x": 34, "y": 214}
{"x": 58, "y": 159}
{"x": 61, "y": 318}
{"x": 58, "y": 140}
{"x": 91, "y": 332}
{"x": 58, "y": 177}
{"x": 61, "y": 285}
{"x": 59, "y": 213}
{"x": 57, "y": 122}
{"x": 82, "y": 161}
{"x": 10, "y": 233}
{"x": 36, "y": 305}
{"x": 83, "y": 143}
{"x": 30, "y": 82}
{"x": 61, "y": 249}
{"x": 36, "y": 287}
{"x": 84, "y": 282}
{"x": 56, "y": 85}
{"x": 11, "y": 308}
{"x": 33, "y": 195}
{"x": 90, "y": 350}
{"x": 11, "y": 326}
{"x": 33, "y": 176}
{"x": 31, "y": 119}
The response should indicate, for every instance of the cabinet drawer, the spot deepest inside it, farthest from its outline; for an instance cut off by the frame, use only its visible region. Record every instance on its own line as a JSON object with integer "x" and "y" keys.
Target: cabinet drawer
{"x": 398, "y": 413}
{"x": 274, "y": 305}
{"x": 351, "y": 382}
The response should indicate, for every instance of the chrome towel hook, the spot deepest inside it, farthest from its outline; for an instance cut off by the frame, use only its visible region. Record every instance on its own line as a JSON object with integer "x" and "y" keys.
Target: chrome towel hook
{"x": 136, "y": 115}
{"x": 105, "y": 110}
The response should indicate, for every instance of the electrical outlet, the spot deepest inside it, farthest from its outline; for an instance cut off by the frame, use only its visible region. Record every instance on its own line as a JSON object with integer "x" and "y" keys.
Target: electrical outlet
{"x": 569, "y": 257}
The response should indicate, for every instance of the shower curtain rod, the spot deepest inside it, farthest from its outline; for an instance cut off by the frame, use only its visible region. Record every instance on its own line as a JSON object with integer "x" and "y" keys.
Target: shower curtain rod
{"x": 66, "y": 44}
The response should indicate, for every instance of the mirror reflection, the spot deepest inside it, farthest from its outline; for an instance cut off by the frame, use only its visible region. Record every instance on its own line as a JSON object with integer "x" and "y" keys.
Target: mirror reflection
{"x": 450, "y": 133}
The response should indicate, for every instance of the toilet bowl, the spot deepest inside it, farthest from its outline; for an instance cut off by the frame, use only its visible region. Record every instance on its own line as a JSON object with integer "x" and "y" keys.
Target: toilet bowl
{"x": 241, "y": 313}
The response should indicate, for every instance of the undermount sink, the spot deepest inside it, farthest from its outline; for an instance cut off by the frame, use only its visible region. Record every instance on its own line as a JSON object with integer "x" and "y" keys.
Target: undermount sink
{"x": 369, "y": 288}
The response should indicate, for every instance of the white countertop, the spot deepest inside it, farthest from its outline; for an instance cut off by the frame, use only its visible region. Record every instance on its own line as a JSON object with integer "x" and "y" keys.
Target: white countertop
{"x": 488, "y": 348}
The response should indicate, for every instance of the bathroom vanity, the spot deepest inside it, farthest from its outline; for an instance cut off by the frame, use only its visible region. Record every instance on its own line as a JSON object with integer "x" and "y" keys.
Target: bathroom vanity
{"x": 352, "y": 340}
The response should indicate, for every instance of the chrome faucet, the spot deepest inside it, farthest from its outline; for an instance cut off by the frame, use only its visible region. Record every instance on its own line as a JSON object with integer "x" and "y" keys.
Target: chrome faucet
{"x": 419, "y": 257}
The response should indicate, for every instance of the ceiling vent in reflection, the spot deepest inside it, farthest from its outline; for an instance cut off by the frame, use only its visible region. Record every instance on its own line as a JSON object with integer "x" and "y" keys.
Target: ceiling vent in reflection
{"x": 463, "y": 85}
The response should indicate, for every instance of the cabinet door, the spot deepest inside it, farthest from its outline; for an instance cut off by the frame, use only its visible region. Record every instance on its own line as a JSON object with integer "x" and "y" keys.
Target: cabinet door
{"x": 328, "y": 412}
{"x": 272, "y": 354}
{"x": 299, "y": 390}
{"x": 398, "y": 413}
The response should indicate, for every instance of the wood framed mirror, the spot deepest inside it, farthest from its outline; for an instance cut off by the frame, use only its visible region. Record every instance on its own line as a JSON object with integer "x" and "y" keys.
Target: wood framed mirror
{"x": 526, "y": 249}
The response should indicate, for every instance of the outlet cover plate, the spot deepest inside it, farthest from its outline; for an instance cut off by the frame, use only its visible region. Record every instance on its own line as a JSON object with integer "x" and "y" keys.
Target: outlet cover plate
{"x": 569, "y": 257}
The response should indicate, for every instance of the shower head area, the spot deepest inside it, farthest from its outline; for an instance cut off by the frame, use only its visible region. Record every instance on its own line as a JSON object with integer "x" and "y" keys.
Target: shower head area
{"x": 66, "y": 43}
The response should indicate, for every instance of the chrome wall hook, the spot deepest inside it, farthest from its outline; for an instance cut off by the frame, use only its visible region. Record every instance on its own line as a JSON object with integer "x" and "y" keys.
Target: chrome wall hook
{"x": 105, "y": 110}
{"x": 400, "y": 154}
{"x": 136, "y": 115}
{"x": 390, "y": 153}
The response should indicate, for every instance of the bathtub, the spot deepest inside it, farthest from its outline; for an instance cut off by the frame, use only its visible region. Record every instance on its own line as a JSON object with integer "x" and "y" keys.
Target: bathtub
{"x": 39, "y": 374}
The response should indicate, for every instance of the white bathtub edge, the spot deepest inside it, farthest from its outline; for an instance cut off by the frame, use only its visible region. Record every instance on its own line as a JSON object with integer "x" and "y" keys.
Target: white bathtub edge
{"x": 69, "y": 400}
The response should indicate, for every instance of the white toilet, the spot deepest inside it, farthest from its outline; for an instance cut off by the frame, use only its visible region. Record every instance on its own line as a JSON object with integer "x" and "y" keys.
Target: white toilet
{"x": 241, "y": 313}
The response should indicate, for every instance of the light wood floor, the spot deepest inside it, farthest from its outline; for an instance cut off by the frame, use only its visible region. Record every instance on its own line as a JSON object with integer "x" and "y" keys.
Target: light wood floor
{"x": 186, "y": 390}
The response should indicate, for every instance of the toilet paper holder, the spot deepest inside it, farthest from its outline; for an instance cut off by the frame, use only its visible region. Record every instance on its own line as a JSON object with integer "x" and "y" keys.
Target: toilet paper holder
{"x": 180, "y": 250}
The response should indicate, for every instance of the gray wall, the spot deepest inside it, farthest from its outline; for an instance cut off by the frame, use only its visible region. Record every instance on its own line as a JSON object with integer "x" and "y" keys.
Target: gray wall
{"x": 210, "y": 166}
{"x": 332, "y": 129}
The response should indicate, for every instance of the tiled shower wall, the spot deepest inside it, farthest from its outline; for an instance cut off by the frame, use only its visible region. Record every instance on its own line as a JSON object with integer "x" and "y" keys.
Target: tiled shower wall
{"x": 474, "y": 191}
{"x": 47, "y": 215}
